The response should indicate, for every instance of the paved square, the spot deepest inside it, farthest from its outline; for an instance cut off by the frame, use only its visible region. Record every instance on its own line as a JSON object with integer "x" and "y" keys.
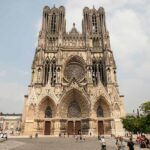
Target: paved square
{"x": 52, "y": 143}
{"x": 55, "y": 143}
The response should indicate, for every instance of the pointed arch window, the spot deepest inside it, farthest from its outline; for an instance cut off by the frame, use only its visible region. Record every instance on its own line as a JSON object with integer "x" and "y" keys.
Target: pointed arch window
{"x": 53, "y": 23}
{"x": 53, "y": 72}
{"x": 100, "y": 112}
{"x": 48, "y": 112}
{"x": 94, "y": 23}
{"x": 47, "y": 71}
{"x": 102, "y": 72}
{"x": 94, "y": 71}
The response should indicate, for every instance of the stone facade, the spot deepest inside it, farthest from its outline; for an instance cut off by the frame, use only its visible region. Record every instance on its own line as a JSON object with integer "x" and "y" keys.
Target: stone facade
{"x": 73, "y": 87}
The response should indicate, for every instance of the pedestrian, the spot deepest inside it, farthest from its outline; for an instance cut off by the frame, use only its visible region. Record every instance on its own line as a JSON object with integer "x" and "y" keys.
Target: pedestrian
{"x": 103, "y": 143}
{"x": 120, "y": 143}
{"x": 83, "y": 138}
{"x": 90, "y": 134}
{"x": 36, "y": 135}
{"x": 130, "y": 144}
{"x": 76, "y": 137}
{"x": 99, "y": 137}
{"x": 30, "y": 136}
{"x": 59, "y": 134}
{"x": 5, "y": 136}
{"x": 80, "y": 137}
{"x": 147, "y": 142}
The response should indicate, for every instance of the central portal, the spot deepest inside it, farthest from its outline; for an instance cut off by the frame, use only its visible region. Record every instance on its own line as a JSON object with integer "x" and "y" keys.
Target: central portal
{"x": 47, "y": 130}
{"x": 74, "y": 128}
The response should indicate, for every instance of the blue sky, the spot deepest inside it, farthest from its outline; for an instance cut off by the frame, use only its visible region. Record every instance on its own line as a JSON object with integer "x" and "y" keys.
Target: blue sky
{"x": 127, "y": 21}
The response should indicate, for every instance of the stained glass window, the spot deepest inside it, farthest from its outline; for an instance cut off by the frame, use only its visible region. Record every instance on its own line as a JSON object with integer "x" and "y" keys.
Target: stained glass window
{"x": 100, "y": 112}
{"x": 48, "y": 112}
{"x": 74, "y": 109}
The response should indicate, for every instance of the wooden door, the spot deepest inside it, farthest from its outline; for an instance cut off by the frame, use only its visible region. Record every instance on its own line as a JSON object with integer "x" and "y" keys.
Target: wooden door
{"x": 100, "y": 128}
{"x": 70, "y": 129}
{"x": 47, "y": 130}
{"x": 77, "y": 127}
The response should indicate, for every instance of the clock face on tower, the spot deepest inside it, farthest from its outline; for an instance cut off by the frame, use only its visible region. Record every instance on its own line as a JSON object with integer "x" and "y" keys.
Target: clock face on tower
{"x": 74, "y": 70}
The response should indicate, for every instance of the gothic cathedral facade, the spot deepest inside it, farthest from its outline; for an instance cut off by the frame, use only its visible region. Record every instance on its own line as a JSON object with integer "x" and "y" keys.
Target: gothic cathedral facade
{"x": 73, "y": 88}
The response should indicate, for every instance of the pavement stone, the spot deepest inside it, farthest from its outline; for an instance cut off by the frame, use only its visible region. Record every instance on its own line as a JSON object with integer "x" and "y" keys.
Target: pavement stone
{"x": 56, "y": 143}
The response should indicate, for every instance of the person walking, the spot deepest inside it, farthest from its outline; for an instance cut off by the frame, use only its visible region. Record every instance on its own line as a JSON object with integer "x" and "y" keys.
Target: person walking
{"x": 103, "y": 143}
{"x": 130, "y": 144}
{"x": 120, "y": 144}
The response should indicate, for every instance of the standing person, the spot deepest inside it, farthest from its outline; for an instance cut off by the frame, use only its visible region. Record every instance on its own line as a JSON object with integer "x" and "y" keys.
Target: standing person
{"x": 76, "y": 137}
{"x": 130, "y": 144}
{"x": 120, "y": 144}
{"x": 36, "y": 135}
{"x": 80, "y": 137}
{"x": 5, "y": 136}
{"x": 147, "y": 142}
{"x": 83, "y": 138}
{"x": 103, "y": 143}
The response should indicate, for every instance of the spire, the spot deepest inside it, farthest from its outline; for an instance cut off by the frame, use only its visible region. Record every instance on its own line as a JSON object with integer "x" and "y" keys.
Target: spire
{"x": 74, "y": 30}
{"x": 74, "y": 25}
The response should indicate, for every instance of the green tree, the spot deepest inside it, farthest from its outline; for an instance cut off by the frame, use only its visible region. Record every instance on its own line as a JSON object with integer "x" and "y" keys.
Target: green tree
{"x": 145, "y": 108}
{"x": 139, "y": 123}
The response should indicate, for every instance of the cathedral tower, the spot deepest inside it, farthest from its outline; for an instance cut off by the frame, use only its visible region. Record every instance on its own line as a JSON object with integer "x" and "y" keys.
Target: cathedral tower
{"x": 73, "y": 88}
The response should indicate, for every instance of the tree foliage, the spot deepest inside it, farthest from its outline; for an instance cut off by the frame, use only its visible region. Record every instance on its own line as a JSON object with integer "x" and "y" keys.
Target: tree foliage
{"x": 145, "y": 108}
{"x": 138, "y": 123}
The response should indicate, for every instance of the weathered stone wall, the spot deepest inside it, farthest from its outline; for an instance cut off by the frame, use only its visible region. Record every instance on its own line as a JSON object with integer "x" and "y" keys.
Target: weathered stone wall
{"x": 71, "y": 67}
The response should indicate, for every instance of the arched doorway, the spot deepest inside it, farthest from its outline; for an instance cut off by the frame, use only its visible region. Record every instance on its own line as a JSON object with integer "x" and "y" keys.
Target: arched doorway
{"x": 102, "y": 112}
{"x": 47, "y": 110}
{"x": 73, "y": 108}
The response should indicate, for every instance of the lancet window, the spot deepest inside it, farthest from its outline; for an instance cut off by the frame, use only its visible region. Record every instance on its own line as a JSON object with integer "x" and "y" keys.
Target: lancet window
{"x": 94, "y": 23}
{"x": 98, "y": 72}
{"x": 46, "y": 71}
{"x": 100, "y": 112}
{"x": 94, "y": 72}
{"x": 48, "y": 112}
{"x": 102, "y": 72}
{"x": 50, "y": 72}
{"x": 46, "y": 20}
{"x": 53, "y": 23}
{"x": 53, "y": 72}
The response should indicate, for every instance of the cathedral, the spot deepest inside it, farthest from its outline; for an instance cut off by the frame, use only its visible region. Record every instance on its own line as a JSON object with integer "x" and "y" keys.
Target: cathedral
{"x": 73, "y": 89}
